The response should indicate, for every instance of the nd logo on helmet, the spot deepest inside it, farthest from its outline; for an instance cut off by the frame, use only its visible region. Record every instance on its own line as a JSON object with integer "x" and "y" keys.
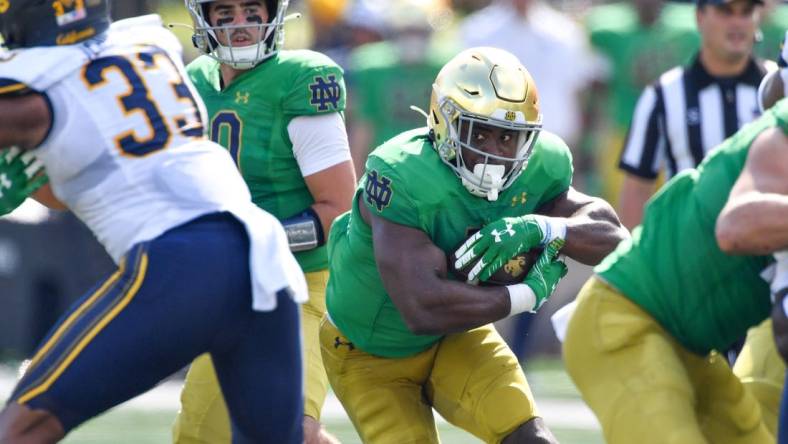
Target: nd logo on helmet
{"x": 510, "y": 116}
{"x": 4, "y": 5}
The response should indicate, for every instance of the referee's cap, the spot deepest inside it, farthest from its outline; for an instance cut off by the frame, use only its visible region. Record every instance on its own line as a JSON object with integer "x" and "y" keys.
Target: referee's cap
{"x": 722, "y": 2}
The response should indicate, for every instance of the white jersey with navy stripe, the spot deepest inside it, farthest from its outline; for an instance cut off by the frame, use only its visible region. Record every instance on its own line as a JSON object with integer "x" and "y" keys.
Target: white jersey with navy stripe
{"x": 126, "y": 151}
{"x": 684, "y": 115}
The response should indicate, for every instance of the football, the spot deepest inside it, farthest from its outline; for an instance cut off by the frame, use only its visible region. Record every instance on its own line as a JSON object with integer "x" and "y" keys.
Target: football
{"x": 512, "y": 272}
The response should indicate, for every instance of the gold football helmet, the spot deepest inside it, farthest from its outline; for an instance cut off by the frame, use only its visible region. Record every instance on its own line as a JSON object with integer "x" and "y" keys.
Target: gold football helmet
{"x": 488, "y": 87}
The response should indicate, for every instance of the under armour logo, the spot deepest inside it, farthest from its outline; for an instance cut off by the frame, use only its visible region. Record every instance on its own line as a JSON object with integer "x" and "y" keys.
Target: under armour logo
{"x": 521, "y": 199}
{"x": 241, "y": 97}
{"x": 498, "y": 234}
{"x": 325, "y": 93}
{"x": 378, "y": 190}
{"x": 338, "y": 343}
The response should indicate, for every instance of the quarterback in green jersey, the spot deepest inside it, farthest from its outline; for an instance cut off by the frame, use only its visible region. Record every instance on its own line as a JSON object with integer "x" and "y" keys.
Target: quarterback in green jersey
{"x": 693, "y": 278}
{"x": 402, "y": 336}
{"x": 279, "y": 113}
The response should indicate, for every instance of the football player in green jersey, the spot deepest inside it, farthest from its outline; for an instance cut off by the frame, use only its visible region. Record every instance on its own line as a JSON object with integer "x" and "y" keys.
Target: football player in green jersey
{"x": 753, "y": 219}
{"x": 402, "y": 335}
{"x": 641, "y": 342}
{"x": 279, "y": 113}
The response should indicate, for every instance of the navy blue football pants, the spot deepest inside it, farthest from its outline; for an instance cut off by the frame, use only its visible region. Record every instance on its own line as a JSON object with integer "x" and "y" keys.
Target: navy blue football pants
{"x": 173, "y": 298}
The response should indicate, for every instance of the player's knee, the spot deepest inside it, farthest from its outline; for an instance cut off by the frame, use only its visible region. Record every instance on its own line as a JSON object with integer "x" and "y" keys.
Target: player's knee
{"x": 505, "y": 408}
{"x": 20, "y": 424}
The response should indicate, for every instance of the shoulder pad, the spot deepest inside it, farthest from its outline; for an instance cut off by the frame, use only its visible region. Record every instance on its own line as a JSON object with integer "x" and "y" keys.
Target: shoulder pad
{"x": 305, "y": 58}
{"x": 145, "y": 30}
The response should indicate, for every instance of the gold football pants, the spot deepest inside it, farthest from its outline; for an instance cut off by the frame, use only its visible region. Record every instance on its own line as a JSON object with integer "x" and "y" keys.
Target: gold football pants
{"x": 644, "y": 387}
{"x": 472, "y": 379}
{"x": 762, "y": 371}
{"x": 203, "y": 417}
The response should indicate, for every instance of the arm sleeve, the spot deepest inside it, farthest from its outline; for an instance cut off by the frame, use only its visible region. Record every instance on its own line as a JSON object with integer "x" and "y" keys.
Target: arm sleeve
{"x": 319, "y": 142}
{"x": 642, "y": 154}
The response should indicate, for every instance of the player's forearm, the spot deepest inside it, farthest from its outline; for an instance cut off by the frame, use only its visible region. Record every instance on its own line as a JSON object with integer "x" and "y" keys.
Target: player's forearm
{"x": 593, "y": 232}
{"x": 754, "y": 224}
{"x": 415, "y": 277}
{"x": 328, "y": 211}
{"x": 444, "y": 306}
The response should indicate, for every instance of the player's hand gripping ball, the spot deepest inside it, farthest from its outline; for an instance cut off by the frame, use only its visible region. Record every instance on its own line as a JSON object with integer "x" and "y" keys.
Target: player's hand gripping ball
{"x": 511, "y": 272}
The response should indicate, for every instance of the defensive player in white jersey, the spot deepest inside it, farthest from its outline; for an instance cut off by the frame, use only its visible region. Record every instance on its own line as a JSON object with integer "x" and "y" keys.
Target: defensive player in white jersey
{"x": 119, "y": 130}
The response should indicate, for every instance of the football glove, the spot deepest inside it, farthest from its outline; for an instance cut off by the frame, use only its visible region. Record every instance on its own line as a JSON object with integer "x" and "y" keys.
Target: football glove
{"x": 20, "y": 176}
{"x": 499, "y": 241}
{"x": 545, "y": 274}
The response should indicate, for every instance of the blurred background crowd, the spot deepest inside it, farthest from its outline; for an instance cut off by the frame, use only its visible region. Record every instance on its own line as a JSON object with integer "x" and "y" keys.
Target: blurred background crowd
{"x": 590, "y": 59}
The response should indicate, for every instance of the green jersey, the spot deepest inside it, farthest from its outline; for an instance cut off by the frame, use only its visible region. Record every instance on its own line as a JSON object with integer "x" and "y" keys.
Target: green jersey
{"x": 249, "y": 117}
{"x": 638, "y": 54}
{"x": 383, "y": 87}
{"x": 773, "y": 27}
{"x": 408, "y": 184}
{"x": 672, "y": 266}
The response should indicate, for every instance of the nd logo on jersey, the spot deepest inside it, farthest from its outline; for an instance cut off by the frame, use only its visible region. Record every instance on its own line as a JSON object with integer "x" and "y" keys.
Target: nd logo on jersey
{"x": 325, "y": 93}
{"x": 378, "y": 190}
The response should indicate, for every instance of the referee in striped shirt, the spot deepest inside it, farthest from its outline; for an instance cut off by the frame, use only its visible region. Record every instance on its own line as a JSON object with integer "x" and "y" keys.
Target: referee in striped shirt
{"x": 689, "y": 110}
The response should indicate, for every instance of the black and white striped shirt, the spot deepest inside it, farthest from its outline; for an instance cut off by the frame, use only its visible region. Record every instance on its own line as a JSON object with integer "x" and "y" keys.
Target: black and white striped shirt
{"x": 685, "y": 114}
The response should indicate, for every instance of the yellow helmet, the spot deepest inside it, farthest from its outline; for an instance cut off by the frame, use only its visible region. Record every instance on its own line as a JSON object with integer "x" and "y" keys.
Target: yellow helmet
{"x": 488, "y": 87}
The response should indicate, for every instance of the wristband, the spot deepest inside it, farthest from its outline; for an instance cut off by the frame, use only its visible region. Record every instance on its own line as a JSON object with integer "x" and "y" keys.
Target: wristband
{"x": 552, "y": 228}
{"x": 304, "y": 231}
{"x": 522, "y": 299}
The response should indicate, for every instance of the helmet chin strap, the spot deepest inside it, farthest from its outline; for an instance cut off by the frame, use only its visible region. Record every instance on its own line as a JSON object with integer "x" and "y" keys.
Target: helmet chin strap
{"x": 485, "y": 181}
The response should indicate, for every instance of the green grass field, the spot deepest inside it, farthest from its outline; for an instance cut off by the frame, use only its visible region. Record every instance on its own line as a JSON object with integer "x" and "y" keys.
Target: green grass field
{"x": 124, "y": 426}
{"x": 147, "y": 420}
